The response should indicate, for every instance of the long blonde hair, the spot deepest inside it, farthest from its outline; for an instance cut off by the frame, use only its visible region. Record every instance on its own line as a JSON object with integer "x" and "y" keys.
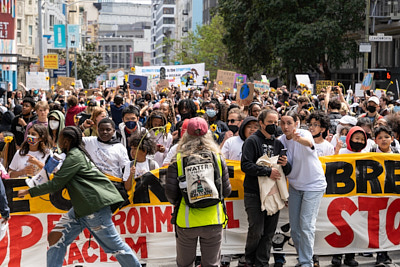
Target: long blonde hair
{"x": 190, "y": 145}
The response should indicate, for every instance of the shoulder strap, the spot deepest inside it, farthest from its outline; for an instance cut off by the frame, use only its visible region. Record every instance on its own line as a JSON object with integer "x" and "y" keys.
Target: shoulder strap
{"x": 179, "y": 163}
{"x": 152, "y": 166}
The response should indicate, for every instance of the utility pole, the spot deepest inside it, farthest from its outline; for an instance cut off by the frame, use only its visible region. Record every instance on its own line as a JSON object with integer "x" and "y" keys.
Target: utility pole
{"x": 66, "y": 38}
{"x": 40, "y": 33}
{"x": 367, "y": 10}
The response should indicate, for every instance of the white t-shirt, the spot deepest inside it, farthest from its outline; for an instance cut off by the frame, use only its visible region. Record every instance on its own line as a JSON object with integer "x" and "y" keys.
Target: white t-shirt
{"x": 170, "y": 155}
{"x": 141, "y": 168}
{"x": 347, "y": 151}
{"x": 232, "y": 148}
{"x": 20, "y": 162}
{"x": 324, "y": 149}
{"x": 166, "y": 141}
{"x": 109, "y": 158}
{"x": 307, "y": 173}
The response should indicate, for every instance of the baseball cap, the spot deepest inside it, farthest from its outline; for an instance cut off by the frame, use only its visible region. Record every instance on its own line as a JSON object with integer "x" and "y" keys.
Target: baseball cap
{"x": 348, "y": 120}
{"x": 374, "y": 99}
{"x": 197, "y": 126}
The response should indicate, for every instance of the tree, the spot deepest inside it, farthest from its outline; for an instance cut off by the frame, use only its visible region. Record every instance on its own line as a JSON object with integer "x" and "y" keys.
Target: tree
{"x": 89, "y": 65}
{"x": 299, "y": 35}
{"x": 204, "y": 45}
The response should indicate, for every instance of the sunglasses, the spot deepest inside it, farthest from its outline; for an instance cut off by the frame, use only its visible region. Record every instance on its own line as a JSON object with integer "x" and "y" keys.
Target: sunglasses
{"x": 232, "y": 121}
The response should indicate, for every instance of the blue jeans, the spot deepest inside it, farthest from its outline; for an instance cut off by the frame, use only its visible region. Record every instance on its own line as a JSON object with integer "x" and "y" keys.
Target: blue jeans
{"x": 261, "y": 230}
{"x": 303, "y": 212}
{"x": 103, "y": 230}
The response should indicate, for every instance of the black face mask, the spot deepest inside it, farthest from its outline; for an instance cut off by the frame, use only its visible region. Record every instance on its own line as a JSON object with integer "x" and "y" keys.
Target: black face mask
{"x": 185, "y": 116}
{"x": 371, "y": 109}
{"x": 317, "y": 135}
{"x": 356, "y": 146}
{"x": 270, "y": 129}
{"x": 233, "y": 128}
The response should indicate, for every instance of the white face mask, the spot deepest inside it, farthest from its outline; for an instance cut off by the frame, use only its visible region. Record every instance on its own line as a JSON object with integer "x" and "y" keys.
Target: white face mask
{"x": 54, "y": 124}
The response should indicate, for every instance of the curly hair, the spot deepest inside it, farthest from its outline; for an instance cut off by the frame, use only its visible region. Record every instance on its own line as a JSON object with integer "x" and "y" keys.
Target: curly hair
{"x": 171, "y": 113}
{"x": 148, "y": 143}
{"x": 190, "y": 105}
{"x": 44, "y": 143}
{"x": 322, "y": 118}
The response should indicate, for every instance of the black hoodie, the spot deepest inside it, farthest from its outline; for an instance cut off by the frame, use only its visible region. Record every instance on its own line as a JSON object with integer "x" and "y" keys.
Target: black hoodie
{"x": 244, "y": 123}
{"x": 253, "y": 148}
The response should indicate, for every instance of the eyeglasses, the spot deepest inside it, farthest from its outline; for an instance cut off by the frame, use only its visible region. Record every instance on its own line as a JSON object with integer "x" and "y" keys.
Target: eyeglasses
{"x": 313, "y": 125}
{"x": 232, "y": 121}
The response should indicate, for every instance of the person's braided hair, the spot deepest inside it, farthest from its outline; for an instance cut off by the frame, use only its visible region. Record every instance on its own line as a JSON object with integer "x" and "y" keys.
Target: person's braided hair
{"x": 74, "y": 135}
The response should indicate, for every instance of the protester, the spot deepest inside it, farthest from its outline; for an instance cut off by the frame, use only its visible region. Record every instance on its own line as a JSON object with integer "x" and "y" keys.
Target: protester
{"x": 4, "y": 209}
{"x": 261, "y": 225}
{"x": 193, "y": 224}
{"x": 6, "y": 118}
{"x": 372, "y": 110}
{"x": 90, "y": 126}
{"x": 42, "y": 110}
{"x": 30, "y": 159}
{"x": 306, "y": 186}
{"x": 19, "y": 123}
{"x": 72, "y": 111}
{"x": 56, "y": 122}
{"x": 213, "y": 116}
{"x": 254, "y": 109}
{"x": 318, "y": 124}
{"x": 92, "y": 194}
{"x": 234, "y": 120}
{"x": 8, "y": 148}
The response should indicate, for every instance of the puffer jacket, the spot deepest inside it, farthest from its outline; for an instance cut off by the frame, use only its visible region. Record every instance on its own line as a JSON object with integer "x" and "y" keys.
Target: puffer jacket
{"x": 173, "y": 193}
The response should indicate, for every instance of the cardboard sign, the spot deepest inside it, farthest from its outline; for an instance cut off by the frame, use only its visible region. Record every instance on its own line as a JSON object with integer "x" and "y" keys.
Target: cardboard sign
{"x": 66, "y": 82}
{"x": 304, "y": 79}
{"x": 137, "y": 82}
{"x": 323, "y": 84}
{"x": 225, "y": 80}
{"x": 37, "y": 80}
{"x": 162, "y": 84}
{"x": 367, "y": 81}
{"x": 244, "y": 94}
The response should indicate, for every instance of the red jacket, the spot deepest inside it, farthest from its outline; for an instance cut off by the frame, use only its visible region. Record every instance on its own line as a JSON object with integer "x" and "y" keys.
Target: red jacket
{"x": 71, "y": 112}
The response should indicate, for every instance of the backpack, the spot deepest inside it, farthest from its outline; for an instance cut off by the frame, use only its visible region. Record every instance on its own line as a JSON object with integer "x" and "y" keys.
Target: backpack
{"x": 200, "y": 179}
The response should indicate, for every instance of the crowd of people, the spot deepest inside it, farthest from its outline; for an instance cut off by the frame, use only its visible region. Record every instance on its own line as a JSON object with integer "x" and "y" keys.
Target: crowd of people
{"x": 122, "y": 134}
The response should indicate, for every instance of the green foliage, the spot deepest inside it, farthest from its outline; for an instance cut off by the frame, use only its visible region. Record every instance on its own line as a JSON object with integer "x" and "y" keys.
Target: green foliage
{"x": 89, "y": 65}
{"x": 204, "y": 45}
{"x": 300, "y": 35}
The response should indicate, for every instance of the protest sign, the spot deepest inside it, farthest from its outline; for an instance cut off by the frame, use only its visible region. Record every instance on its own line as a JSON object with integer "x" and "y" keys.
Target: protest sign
{"x": 261, "y": 86}
{"x": 66, "y": 82}
{"x": 120, "y": 77}
{"x": 173, "y": 73}
{"x": 137, "y": 82}
{"x": 162, "y": 84}
{"x": 359, "y": 212}
{"x": 37, "y": 80}
{"x": 304, "y": 79}
{"x": 225, "y": 80}
{"x": 79, "y": 84}
{"x": 239, "y": 78}
{"x": 111, "y": 83}
{"x": 367, "y": 81}
{"x": 244, "y": 94}
{"x": 323, "y": 84}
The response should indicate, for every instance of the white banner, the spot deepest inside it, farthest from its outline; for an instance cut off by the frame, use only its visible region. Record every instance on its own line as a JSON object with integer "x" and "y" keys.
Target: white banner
{"x": 37, "y": 80}
{"x": 173, "y": 73}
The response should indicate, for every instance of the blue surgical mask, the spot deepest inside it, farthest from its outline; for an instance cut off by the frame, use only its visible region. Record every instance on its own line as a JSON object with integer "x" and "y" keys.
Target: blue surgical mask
{"x": 211, "y": 113}
{"x": 130, "y": 124}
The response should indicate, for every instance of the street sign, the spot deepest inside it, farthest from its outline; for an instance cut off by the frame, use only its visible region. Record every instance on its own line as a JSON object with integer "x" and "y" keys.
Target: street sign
{"x": 365, "y": 48}
{"x": 380, "y": 38}
{"x": 59, "y": 36}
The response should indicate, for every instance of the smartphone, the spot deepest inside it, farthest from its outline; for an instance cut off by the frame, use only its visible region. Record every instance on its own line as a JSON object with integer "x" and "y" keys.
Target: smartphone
{"x": 283, "y": 152}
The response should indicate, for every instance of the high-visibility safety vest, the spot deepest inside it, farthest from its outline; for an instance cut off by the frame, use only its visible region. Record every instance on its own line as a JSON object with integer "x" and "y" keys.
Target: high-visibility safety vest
{"x": 195, "y": 217}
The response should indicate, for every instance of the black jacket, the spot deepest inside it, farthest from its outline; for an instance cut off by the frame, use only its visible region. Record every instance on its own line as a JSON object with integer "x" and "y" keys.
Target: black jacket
{"x": 253, "y": 148}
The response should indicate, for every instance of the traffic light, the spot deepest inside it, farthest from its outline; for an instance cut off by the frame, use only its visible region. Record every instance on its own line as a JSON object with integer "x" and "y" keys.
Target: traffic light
{"x": 382, "y": 75}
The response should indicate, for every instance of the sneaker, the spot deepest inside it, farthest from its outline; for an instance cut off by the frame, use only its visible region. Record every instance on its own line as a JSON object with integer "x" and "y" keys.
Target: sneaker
{"x": 336, "y": 260}
{"x": 316, "y": 260}
{"x": 350, "y": 262}
{"x": 242, "y": 261}
{"x": 225, "y": 260}
{"x": 382, "y": 258}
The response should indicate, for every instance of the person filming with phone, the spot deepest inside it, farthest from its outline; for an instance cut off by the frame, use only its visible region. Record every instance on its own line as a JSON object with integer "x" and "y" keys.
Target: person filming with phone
{"x": 261, "y": 225}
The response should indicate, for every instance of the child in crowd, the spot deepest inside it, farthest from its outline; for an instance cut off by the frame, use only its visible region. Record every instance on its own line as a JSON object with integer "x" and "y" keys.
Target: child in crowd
{"x": 142, "y": 145}
{"x": 318, "y": 125}
{"x": 31, "y": 158}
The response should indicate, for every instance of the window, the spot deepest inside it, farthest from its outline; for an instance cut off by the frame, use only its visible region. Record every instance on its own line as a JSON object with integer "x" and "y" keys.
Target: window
{"x": 51, "y": 22}
{"x": 30, "y": 32}
{"x": 169, "y": 20}
{"x": 19, "y": 31}
{"x": 168, "y": 10}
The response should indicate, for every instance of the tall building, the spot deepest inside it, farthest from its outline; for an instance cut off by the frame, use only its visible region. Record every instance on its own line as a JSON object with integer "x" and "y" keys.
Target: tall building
{"x": 189, "y": 15}
{"x": 162, "y": 29}
{"x": 208, "y": 5}
{"x": 124, "y": 34}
